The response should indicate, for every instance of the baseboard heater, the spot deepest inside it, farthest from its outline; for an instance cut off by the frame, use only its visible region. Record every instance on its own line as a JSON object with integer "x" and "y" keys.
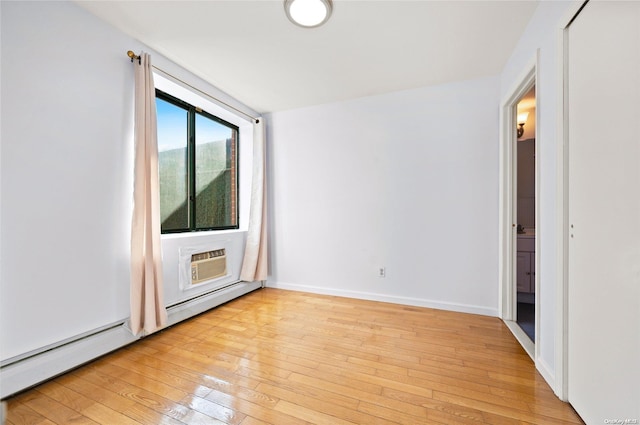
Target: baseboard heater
{"x": 25, "y": 371}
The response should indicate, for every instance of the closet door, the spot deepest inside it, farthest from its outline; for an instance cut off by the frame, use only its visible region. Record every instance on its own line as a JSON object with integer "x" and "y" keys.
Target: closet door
{"x": 604, "y": 212}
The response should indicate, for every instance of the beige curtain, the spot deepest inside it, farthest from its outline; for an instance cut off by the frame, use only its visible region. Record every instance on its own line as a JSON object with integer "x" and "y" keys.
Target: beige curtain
{"x": 254, "y": 266}
{"x": 148, "y": 313}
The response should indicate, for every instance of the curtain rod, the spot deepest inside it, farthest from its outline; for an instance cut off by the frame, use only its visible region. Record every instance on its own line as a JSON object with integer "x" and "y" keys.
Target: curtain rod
{"x": 133, "y": 56}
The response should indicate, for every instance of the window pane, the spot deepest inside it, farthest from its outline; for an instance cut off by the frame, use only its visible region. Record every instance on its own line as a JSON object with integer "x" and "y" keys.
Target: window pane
{"x": 215, "y": 174}
{"x": 173, "y": 165}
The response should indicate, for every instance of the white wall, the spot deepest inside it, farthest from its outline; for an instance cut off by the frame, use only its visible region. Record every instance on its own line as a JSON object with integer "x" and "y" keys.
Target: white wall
{"x": 406, "y": 181}
{"x": 542, "y": 34}
{"x": 66, "y": 175}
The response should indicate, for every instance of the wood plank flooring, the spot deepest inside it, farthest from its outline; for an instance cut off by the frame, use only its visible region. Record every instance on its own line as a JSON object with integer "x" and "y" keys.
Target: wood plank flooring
{"x": 287, "y": 358}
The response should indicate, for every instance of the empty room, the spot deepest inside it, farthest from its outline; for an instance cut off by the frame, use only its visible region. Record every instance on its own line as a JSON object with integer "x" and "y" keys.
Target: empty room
{"x": 292, "y": 212}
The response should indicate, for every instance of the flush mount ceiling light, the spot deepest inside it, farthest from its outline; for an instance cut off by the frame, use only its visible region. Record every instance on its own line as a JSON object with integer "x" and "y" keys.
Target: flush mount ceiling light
{"x": 308, "y": 13}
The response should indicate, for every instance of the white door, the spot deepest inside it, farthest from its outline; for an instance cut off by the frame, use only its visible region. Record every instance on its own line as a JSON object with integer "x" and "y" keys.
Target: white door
{"x": 604, "y": 212}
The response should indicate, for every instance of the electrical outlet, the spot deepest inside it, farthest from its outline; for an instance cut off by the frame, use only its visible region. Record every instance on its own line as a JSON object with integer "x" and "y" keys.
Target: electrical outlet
{"x": 382, "y": 272}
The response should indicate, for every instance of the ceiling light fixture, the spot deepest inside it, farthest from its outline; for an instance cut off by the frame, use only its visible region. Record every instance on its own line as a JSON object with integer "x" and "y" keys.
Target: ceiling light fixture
{"x": 308, "y": 13}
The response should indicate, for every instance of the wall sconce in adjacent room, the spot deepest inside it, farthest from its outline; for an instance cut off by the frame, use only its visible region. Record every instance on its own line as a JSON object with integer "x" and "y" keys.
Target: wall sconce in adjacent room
{"x": 308, "y": 13}
{"x": 522, "y": 120}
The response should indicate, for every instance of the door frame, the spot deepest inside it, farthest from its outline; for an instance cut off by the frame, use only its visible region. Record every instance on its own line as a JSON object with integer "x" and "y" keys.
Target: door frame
{"x": 508, "y": 192}
{"x": 507, "y": 215}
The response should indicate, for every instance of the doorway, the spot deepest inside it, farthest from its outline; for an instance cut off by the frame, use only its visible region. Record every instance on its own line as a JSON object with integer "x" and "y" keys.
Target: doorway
{"x": 518, "y": 230}
{"x": 525, "y": 213}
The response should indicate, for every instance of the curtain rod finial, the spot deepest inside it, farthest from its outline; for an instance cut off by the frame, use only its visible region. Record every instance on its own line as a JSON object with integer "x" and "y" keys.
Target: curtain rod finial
{"x": 133, "y": 56}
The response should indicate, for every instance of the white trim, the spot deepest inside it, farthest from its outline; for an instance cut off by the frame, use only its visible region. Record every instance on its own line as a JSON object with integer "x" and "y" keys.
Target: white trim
{"x": 522, "y": 337}
{"x": 562, "y": 218}
{"x": 417, "y": 302}
{"x": 27, "y": 372}
{"x": 539, "y": 231}
{"x": 561, "y": 388}
{"x": 228, "y": 108}
{"x": 507, "y": 236}
{"x": 545, "y": 371}
{"x": 504, "y": 216}
{"x": 508, "y": 160}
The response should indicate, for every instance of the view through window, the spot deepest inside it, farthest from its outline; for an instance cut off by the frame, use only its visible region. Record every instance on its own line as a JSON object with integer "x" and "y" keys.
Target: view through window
{"x": 198, "y": 167}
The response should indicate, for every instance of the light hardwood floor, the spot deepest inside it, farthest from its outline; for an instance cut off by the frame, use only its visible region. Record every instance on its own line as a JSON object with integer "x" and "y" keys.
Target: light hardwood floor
{"x": 286, "y": 358}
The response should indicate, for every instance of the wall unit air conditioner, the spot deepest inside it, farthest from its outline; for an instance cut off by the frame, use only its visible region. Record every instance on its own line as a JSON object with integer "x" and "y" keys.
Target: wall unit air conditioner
{"x": 208, "y": 265}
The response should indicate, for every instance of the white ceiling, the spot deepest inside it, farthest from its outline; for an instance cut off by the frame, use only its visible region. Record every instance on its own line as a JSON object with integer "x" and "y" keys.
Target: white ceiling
{"x": 250, "y": 50}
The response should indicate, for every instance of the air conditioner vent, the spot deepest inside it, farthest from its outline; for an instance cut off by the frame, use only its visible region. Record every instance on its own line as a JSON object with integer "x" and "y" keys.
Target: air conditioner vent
{"x": 207, "y": 255}
{"x": 208, "y": 265}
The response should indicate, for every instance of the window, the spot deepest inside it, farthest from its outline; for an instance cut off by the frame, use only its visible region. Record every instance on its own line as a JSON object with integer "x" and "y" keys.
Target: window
{"x": 198, "y": 167}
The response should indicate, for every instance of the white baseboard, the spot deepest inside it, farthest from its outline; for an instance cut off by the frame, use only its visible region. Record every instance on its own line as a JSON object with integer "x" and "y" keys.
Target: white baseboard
{"x": 416, "y": 302}
{"x": 30, "y": 370}
{"x": 547, "y": 374}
